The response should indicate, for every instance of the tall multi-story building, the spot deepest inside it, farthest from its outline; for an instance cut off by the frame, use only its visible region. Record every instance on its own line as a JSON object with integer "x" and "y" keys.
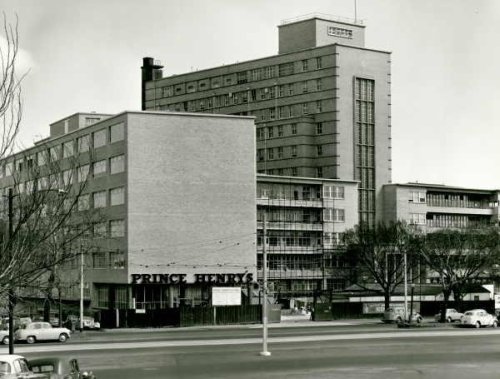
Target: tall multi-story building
{"x": 322, "y": 106}
{"x": 305, "y": 220}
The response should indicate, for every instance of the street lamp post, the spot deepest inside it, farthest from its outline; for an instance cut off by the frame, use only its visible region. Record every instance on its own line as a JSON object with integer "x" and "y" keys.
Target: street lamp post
{"x": 264, "y": 351}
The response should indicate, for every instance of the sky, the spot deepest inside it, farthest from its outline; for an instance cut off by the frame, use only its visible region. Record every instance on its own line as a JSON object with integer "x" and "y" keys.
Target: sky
{"x": 86, "y": 56}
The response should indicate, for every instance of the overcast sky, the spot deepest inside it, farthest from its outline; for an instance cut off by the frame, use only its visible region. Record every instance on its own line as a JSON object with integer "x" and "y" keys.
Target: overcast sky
{"x": 86, "y": 56}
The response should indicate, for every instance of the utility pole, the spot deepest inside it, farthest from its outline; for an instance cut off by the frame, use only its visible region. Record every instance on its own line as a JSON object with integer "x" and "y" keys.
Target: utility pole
{"x": 81, "y": 289}
{"x": 11, "y": 290}
{"x": 264, "y": 351}
{"x": 406, "y": 290}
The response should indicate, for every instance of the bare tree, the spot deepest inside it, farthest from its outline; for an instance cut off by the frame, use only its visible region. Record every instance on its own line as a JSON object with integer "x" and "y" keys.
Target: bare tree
{"x": 11, "y": 106}
{"x": 460, "y": 257}
{"x": 379, "y": 255}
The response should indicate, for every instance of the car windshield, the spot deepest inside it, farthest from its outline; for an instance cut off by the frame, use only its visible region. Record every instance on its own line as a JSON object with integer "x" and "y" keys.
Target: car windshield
{"x": 469, "y": 313}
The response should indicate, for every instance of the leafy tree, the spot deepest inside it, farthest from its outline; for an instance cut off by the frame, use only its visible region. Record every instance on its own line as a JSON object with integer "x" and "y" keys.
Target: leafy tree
{"x": 379, "y": 252}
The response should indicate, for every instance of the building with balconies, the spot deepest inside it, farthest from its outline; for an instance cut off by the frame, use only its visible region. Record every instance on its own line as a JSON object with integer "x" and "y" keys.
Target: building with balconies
{"x": 431, "y": 206}
{"x": 305, "y": 220}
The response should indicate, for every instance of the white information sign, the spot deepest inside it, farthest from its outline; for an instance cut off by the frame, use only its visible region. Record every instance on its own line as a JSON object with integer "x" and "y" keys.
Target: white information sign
{"x": 226, "y": 296}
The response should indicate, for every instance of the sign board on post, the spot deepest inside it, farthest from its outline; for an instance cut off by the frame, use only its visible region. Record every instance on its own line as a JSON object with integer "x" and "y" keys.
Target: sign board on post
{"x": 226, "y": 296}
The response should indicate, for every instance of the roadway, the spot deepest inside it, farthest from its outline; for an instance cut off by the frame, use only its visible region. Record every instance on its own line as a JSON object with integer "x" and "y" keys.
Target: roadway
{"x": 322, "y": 351}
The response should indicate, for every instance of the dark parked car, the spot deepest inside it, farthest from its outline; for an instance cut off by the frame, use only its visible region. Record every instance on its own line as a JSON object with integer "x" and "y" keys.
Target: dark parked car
{"x": 59, "y": 368}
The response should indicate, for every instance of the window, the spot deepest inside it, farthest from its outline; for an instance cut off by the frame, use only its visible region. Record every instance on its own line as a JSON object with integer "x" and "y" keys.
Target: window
{"x": 270, "y": 154}
{"x": 286, "y": 69}
{"x": 117, "y": 260}
{"x": 417, "y": 197}
{"x": 319, "y": 172}
{"x": 83, "y": 173}
{"x": 305, "y": 108}
{"x": 280, "y": 152}
{"x": 68, "y": 149}
{"x": 417, "y": 218}
{"x": 294, "y": 128}
{"x": 319, "y": 63}
{"x": 242, "y": 77}
{"x": 117, "y": 228}
{"x": 100, "y": 230}
{"x": 260, "y": 154}
{"x": 319, "y": 85}
{"x": 83, "y": 144}
{"x": 270, "y": 132}
{"x": 54, "y": 153}
{"x": 167, "y": 91}
{"x": 117, "y": 164}
{"x": 67, "y": 177}
{"x": 117, "y": 196}
{"x": 280, "y": 131}
{"x": 83, "y": 202}
{"x": 333, "y": 192}
{"x": 305, "y": 65}
{"x": 294, "y": 171}
{"x": 99, "y": 168}
{"x": 99, "y": 260}
{"x": 9, "y": 168}
{"x": 319, "y": 106}
{"x": 333, "y": 215}
{"x": 319, "y": 150}
{"x": 41, "y": 157}
{"x": 117, "y": 132}
{"x": 99, "y": 138}
{"x": 293, "y": 151}
{"x": 91, "y": 120}
{"x": 304, "y": 87}
{"x": 319, "y": 128}
{"x": 99, "y": 199}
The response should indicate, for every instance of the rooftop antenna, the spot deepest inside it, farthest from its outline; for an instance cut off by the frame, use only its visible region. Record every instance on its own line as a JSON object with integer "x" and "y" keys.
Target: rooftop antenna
{"x": 355, "y": 12}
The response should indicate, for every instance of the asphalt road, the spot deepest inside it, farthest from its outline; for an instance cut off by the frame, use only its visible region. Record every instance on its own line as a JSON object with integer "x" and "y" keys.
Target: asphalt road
{"x": 312, "y": 352}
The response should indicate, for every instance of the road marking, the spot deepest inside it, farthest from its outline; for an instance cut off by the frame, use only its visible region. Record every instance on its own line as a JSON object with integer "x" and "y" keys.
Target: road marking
{"x": 247, "y": 341}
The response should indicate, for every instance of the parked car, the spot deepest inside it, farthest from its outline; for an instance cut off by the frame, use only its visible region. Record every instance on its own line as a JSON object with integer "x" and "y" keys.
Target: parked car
{"x": 397, "y": 314}
{"x": 452, "y": 315}
{"x": 41, "y": 331}
{"x": 4, "y": 336}
{"x": 16, "y": 366}
{"x": 478, "y": 318}
{"x": 88, "y": 322}
{"x": 59, "y": 368}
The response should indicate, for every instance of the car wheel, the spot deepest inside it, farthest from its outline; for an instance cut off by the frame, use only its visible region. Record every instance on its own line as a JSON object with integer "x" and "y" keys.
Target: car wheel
{"x": 399, "y": 320}
{"x": 495, "y": 324}
{"x": 449, "y": 320}
{"x": 30, "y": 339}
{"x": 63, "y": 337}
{"x": 5, "y": 340}
{"x": 478, "y": 324}
{"x": 419, "y": 320}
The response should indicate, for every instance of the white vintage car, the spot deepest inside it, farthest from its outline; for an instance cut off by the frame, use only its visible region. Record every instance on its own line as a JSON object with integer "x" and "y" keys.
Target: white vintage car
{"x": 16, "y": 366}
{"x": 41, "y": 331}
{"x": 478, "y": 318}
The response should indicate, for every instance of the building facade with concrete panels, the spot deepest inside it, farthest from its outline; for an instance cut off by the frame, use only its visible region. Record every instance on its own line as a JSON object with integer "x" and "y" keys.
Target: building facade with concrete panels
{"x": 306, "y": 218}
{"x": 179, "y": 211}
{"x": 322, "y": 105}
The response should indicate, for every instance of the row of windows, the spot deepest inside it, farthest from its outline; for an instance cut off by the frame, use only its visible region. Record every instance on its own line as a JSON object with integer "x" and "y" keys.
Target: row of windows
{"x": 100, "y": 138}
{"x": 457, "y": 200}
{"x": 333, "y": 215}
{"x": 264, "y": 133}
{"x": 285, "y": 192}
{"x": 111, "y": 229}
{"x": 108, "y": 260}
{"x": 100, "y": 199}
{"x": 242, "y": 77}
{"x": 277, "y": 152}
